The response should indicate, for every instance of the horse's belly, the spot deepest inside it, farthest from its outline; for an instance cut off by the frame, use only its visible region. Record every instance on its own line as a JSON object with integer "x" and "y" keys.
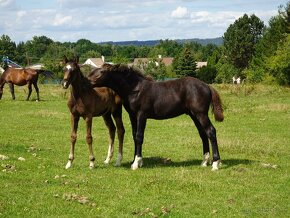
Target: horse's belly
{"x": 163, "y": 112}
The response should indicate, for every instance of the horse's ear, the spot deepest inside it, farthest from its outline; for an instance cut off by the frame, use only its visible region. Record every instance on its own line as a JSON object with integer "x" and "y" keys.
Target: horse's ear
{"x": 65, "y": 60}
{"x": 76, "y": 59}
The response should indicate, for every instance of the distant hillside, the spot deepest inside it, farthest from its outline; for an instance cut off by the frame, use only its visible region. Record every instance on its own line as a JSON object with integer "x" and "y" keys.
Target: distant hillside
{"x": 216, "y": 41}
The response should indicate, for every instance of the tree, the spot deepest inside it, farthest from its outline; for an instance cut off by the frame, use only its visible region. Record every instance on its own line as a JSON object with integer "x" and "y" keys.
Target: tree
{"x": 185, "y": 65}
{"x": 37, "y": 47}
{"x": 53, "y": 57}
{"x": 7, "y": 47}
{"x": 240, "y": 40}
{"x": 279, "y": 28}
{"x": 279, "y": 64}
{"x": 20, "y": 52}
{"x": 155, "y": 69}
{"x": 207, "y": 74}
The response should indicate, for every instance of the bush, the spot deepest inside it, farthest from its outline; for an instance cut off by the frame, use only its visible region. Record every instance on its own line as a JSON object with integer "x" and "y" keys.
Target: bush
{"x": 207, "y": 74}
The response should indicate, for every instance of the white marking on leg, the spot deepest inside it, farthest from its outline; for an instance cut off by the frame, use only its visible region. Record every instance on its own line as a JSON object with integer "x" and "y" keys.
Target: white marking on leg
{"x": 110, "y": 154}
{"x": 92, "y": 165}
{"x": 215, "y": 165}
{"x": 137, "y": 163}
{"x": 69, "y": 164}
{"x": 119, "y": 160}
{"x": 206, "y": 159}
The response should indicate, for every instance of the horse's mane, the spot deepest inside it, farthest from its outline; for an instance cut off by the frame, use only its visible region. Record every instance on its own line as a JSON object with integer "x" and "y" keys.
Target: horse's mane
{"x": 125, "y": 70}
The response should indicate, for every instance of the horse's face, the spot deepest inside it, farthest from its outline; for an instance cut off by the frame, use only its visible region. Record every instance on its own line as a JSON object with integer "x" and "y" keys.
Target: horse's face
{"x": 70, "y": 72}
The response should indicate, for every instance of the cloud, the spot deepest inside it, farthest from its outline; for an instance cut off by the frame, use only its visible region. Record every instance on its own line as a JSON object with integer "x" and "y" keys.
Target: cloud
{"x": 180, "y": 12}
{"x": 7, "y": 4}
{"x": 60, "y": 20}
{"x": 223, "y": 18}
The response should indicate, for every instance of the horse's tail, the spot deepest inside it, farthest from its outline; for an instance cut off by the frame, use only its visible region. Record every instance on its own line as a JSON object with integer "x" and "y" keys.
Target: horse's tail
{"x": 45, "y": 73}
{"x": 216, "y": 103}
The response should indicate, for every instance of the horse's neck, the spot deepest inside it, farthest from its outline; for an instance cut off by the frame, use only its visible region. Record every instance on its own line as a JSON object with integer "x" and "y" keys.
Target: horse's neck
{"x": 79, "y": 86}
{"x": 127, "y": 86}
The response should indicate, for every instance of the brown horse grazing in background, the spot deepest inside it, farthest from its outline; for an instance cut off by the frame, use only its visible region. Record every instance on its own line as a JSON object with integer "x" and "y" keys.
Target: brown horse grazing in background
{"x": 146, "y": 99}
{"x": 20, "y": 77}
{"x": 88, "y": 102}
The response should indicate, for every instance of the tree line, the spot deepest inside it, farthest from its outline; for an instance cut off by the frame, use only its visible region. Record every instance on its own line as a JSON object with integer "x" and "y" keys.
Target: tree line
{"x": 251, "y": 51}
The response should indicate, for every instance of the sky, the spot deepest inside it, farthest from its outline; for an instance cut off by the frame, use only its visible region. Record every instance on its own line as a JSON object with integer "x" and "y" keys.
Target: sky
{"x": 125, "y": 20}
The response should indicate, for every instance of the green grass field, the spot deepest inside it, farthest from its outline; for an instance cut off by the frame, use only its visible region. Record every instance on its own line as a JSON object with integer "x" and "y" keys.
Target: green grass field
{"x": 254, "y": 180}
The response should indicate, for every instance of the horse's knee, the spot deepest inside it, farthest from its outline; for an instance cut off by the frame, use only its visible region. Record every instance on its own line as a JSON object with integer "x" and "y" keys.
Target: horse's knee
{"x": 73, "y": 138}
{"x": 89, "y": 139}
{"x": 211, "y": 132}
{"x": 121, "y": 131}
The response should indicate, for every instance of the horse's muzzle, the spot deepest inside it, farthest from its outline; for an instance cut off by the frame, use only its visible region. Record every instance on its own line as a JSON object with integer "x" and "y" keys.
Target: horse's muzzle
{"x": 65, "y": 84}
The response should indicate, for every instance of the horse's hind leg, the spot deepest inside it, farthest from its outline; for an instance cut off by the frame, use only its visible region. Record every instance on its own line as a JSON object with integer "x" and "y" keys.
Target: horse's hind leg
{"x": 36, "y": 89}
{"x": 121, "y": 132}
{"x": 89, "y": 140}
{"x": 112, "y": 131}
{"x": 205, "y": 143}
{"x": 74, "y": 128}
{"x": 11, "y": 86}
{"x": 211, "y": 134}
{"x": 29, "y": 91}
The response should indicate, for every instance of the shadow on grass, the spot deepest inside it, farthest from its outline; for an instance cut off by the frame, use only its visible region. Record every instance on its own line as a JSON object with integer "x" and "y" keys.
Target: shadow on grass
{"x": 152, "y": 162}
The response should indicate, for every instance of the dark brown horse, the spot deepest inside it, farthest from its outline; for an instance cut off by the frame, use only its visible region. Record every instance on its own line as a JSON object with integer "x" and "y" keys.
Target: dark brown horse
{"x": 88, "y": 102}
{"x": 144, "y": 99}
{"x": 20, "y": 77}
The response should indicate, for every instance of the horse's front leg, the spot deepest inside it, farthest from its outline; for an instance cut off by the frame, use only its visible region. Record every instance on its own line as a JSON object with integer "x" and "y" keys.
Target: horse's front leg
{"x": 11, "y": 86}
{"x": 89, "y": 140}
{"x": 139, "y": 137}
{"x": 74, "y": 128}
{"x": 112, "y": 131}
{"x": 1, "y": 88}
{"x": 121, "y": 133}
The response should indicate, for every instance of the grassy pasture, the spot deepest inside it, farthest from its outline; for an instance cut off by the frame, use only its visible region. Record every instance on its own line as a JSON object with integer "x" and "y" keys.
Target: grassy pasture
{"x": 254, "y": 180}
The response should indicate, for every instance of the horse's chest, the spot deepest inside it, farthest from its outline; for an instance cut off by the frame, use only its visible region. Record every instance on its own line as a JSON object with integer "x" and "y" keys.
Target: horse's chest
{"x": 77, "y": 108}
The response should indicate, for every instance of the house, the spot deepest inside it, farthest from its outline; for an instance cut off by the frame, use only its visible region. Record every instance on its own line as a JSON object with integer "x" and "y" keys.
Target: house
{"x": 95, "y": 62}
{"x": 167, "y": 61}
{"x": 36, "y": 66}
{"x": 201, "y": 64}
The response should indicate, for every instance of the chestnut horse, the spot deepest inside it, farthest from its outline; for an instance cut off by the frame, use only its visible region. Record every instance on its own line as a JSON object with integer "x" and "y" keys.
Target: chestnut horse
{"x": 144, "y": 99}
{"x": 20, "y": 77}
{"x": 88, "y": 102}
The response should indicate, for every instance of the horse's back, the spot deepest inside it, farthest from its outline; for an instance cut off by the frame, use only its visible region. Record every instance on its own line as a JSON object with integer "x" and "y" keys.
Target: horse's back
{"x": 175, "y": 97}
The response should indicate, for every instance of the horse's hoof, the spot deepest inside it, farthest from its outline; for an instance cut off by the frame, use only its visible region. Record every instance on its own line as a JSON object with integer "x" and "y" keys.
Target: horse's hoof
{"x": 134, "y": 167}
{"x": 68, "y": 165}
{"x": 215, "y": 165}
{"x": 92, "y": 165}
{"x": 138, "y": 162}
{"x": 206, "y": 160}
{"x": 119, "y": 160}
{"x": 107, "y": 161}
